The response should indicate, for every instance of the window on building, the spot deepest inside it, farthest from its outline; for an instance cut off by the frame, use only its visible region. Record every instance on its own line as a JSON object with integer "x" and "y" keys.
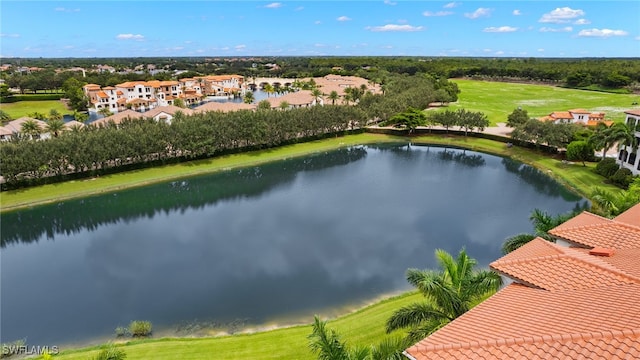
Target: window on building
{"x": 139, "y": 90}
{"x": 632, "y": 158}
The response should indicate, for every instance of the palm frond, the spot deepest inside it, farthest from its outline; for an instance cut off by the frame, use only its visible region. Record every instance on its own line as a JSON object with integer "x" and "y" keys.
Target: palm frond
{"x": 413, "y": 315}
{"x": 515, "y": 242}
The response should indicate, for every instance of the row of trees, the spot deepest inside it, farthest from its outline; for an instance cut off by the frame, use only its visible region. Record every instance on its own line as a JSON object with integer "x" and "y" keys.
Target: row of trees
{"x": 464, "y": 119}
{"x": 94, "y": 149}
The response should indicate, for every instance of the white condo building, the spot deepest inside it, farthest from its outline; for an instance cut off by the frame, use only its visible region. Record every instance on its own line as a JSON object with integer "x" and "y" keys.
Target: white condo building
{"x": 628, "y": 156}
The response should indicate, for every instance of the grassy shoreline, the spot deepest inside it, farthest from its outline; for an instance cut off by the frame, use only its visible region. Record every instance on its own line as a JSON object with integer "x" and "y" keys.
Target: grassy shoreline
{"x": 576, "y": 177}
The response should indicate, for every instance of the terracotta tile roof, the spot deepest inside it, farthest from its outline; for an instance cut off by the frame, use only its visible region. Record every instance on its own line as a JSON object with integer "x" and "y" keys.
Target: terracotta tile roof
{"x": 170, "y": 110}
{"x": 224, "y": 107}
{"x": 92, "y": 87}
{"x": 591, "y": 122}
{"x": 527, "y": 323}
{"x": 614, "y": 235}
{"x": 579, "y": 111}
{"x": 635, "y": 112}
{"x": 5, "y": 131}
{"x": 102, "y": 94}
{"x": 73, "y": 123}
{"x": 108, "y": 88}
{"x": 566, "y": 303}
{"x": 560, "y": 268}
{"x": 631, "y": 216}
{"x": 561, "y": 115}
{"x": 15, "y": 126}
{"x": 582, "y": 219}
{"x": 118, "y": 118}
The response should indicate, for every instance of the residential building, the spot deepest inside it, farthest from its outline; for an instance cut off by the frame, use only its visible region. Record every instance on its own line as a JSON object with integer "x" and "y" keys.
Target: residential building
{"x": 573, "y": 299}
{"x": 298, "y": 99}
{"x": 577, "y": 116}
{"x": 14, "y": 127}
{"x": 142, "y": 96}
{"x": 628, "y": 155}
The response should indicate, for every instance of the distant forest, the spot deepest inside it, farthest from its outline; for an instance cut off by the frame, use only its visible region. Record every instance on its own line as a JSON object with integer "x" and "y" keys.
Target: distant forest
{"x": 611, "y": 73}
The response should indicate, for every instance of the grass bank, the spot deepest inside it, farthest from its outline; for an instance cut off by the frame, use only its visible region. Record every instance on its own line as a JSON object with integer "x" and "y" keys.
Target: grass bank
{"x": 363, "y": 327}
{"x": 498, "y": 99}
{"x": 575, "y": 176}
{"x": 24, "y": 108}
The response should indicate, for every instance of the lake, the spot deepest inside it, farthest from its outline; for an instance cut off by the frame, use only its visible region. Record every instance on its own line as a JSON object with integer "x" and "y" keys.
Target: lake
{"x": 273, "y": 243}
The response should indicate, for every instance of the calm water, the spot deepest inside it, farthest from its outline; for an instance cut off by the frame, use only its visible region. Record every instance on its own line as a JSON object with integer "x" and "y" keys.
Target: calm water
{"x": 291, "y": 238}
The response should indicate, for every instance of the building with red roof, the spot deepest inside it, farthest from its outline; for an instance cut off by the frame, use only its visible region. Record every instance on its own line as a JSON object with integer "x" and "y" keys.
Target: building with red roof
{"x": 573, "y": 299}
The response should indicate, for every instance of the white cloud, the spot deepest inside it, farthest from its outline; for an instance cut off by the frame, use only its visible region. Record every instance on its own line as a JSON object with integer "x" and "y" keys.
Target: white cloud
{"x": 541, "y": 50}
{"x": 564, "y": 29}
{"x": 9, "y": 35}
{"x": 319, "y": 45}
{"x": 299, "y": 8}
{"x": 500, "y": 52}
{"x": 582, "y": 22}
{"x": 437, "y": 13}
{"x": 501, "y": 29}
{"x": 225, "y": 48}
{"x": 274, "y": 5}
{"x": 561, "y": 15}
{"x": 317, "y": 22}
{"x": 240, "y": 47}
{"x": 389, "y": 2}
{"x": 130, "y": 37}
{"x": 480, "y": 12}
{"x": 637, "y": 37}
{"x": 516, "y": 12}
{"x": 343, "y": 18}
{"x": 602, "y": 33}
{"x": 62, "y": 9}
{"x": 394, "y": 27}
{"x": 451, "y": 5}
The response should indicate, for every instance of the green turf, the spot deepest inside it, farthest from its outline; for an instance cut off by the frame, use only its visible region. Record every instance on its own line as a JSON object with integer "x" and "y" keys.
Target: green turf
{"x": 24, "y": 108}
{"x": 498, "y": 99}
{"x": 363, "y": 327}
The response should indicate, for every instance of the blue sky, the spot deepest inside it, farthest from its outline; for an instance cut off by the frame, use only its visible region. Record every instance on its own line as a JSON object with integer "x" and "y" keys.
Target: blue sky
{"x": 317, "y": 28}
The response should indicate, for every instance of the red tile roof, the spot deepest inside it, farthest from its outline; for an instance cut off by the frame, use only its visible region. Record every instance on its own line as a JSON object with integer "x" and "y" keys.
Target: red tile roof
{"x": 565, "y": 303}
{"x": 552, "y": 267}
{"x": 635, "y": 112}
{"x": 526, "y": 323}
{"x": 631, "y": 216}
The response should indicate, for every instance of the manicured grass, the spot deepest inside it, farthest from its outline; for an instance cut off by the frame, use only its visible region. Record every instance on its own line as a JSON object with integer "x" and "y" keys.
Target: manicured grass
{"x": 363, "y": 327}
{"x": 24, "y": 108}
{"x": 498, "y": 99}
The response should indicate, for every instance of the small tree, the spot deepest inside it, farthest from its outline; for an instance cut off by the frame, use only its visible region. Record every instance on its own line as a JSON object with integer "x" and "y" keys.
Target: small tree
{"x": 248, "y": 97}
{"x": 264, "y": 105}
{"x": 105, "y": 112}
{"x": 4, "y": 117}
{"x": 55, "y": 126}
{"x": 179, "y": 103}
{"x": 517, "y": 117}
{"x": 284, "y": 105}
{"x": 409, "y": 119}
{"x": 333, "y": 96}
{"x": 580, "y": 151}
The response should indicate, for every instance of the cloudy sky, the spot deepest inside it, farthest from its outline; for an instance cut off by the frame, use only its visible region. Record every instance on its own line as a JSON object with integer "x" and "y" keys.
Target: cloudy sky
{"x": 315, "y": 28}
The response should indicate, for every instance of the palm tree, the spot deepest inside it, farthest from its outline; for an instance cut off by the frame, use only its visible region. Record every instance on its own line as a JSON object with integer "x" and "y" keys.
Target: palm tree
{"x": 55, "y": 126}
{"x": 284, "y": 105}
{"x": 542, "y": 223}
{"x": 268, "y": 89}
{"x": 54, "y": 115}
{"x": 333, "y": 96}
{"x": 248, "y": 97}
{"x": 612, "y": 204}
{"x": 516, "y": 241}
{"x": 605, "y": 137}
{"x": 327, "y": 345}
{"x": 316, "y": 93}
{"x": 449, "y": 293}
{"x": 105, "y": 112}
{"x": 30, "y": 127}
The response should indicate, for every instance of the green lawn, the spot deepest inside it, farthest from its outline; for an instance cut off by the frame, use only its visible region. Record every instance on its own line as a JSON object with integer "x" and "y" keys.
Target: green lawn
{"x": 498, "y": 99}
{"x": 23, "y": 108}
{"x": 363, "y": 327}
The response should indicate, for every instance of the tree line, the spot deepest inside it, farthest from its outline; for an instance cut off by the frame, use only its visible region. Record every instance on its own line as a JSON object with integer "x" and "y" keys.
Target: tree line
{"x": 97, "y": 150}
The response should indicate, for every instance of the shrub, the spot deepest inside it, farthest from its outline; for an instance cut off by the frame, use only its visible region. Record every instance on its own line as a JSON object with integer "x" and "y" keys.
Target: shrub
{"x": 607, "y": 167}
{"x": 121, "y": 331}
{"x": 111, "y": 353}
{"x": 622, "y": 177}
{"x": 140, "y": 328}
